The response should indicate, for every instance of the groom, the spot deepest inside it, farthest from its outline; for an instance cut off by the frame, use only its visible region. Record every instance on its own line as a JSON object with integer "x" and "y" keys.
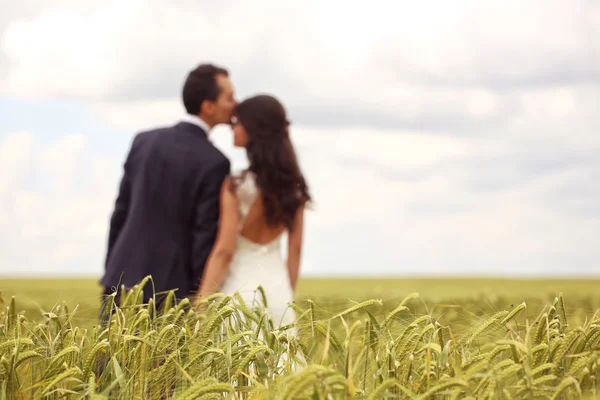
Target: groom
{"x": 166, "y": 213}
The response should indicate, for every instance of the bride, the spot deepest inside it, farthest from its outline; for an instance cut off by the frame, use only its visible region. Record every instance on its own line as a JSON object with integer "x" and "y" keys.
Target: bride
{"x": 258, "y": 206}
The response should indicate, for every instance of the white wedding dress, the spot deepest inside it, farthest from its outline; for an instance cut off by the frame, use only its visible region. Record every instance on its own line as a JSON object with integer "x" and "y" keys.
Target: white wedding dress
{"x": 255, "y": 265}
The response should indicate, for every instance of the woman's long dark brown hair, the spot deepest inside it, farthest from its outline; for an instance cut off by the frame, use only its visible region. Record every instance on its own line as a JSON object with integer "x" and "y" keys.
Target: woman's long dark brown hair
{"x": 273, "y": 159}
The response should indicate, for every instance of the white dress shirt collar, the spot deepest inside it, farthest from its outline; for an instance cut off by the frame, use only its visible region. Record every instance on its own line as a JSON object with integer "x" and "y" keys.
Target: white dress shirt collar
{"x": 195, "y": 120}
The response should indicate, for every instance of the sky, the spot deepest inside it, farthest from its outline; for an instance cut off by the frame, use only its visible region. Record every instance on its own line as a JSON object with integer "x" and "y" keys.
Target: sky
{"x": 438, "y": 138}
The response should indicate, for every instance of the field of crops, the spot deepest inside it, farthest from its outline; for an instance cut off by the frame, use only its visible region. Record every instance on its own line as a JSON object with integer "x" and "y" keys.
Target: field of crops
{"x": 372, "y": 339}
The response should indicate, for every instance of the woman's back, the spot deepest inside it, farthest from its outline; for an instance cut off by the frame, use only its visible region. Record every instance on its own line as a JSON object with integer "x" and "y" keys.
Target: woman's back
{"x": 253, "y": 224}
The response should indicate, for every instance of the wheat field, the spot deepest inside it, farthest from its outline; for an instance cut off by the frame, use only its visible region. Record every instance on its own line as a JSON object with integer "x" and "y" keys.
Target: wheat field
{"x": 359, "y": 339}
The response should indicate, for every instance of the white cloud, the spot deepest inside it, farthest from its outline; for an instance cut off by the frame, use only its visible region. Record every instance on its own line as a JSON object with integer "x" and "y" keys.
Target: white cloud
{"x": 53, "y": 205}
{"x": 393, "y": 149}
{"x": 14, "y": 152}
{"x": 139, "y": 114}
{"x": 374, "y": 213}
{"x": 557, "y": 103}
{"x": 408, "y": 60}
{"x": 435, "y": 139}
{"x": 62, "y": 159}
{"x": 482, "y": 103}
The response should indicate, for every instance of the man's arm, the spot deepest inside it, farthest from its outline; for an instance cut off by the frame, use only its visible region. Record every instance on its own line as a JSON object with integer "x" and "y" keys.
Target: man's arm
{"x": 206, "y": 219}
{"x": 119, "y": 215}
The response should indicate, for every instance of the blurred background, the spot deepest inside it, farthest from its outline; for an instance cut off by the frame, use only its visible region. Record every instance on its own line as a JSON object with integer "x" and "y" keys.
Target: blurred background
{"x": 439, "y": 138}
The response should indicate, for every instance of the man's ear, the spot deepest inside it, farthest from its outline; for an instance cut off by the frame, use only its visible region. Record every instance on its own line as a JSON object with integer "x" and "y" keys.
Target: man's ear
{"x": 207, "y": 107}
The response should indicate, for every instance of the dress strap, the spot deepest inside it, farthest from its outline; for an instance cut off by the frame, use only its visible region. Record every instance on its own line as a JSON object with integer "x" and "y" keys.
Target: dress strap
{"x": 247, "y": 194}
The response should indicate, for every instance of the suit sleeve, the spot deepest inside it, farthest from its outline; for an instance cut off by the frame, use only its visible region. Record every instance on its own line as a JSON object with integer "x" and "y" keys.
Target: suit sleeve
{"x": 119, "y": 215}
{"x": 206, "y": 219}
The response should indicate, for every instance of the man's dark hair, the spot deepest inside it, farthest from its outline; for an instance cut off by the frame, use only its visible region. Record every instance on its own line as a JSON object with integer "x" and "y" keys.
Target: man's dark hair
{"x": 200, "y": 85}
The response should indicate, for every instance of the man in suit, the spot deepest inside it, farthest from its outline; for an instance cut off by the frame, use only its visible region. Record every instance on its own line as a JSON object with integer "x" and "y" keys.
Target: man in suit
{"x": 166, "y": 213}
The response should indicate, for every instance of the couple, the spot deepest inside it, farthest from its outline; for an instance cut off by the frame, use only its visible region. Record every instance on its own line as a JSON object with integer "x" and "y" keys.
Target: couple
{"x": 183, "y": 218}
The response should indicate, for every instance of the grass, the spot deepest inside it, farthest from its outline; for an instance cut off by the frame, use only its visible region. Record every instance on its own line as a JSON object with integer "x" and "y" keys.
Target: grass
{"x": 332, "y": 295}
{"x": 408, "y": 338}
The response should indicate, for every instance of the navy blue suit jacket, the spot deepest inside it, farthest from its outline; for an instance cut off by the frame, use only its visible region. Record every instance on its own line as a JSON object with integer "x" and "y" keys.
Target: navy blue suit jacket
{"x": 166, "y": 213}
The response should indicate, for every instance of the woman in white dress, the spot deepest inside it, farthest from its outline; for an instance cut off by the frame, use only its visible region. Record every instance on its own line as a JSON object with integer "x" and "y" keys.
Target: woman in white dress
{"x": 258, "y": 206}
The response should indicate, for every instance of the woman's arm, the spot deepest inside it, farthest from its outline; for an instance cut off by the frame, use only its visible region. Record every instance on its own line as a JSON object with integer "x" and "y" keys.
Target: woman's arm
{"x": 220, "y": 257}
{"x": 295, "y": 247}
